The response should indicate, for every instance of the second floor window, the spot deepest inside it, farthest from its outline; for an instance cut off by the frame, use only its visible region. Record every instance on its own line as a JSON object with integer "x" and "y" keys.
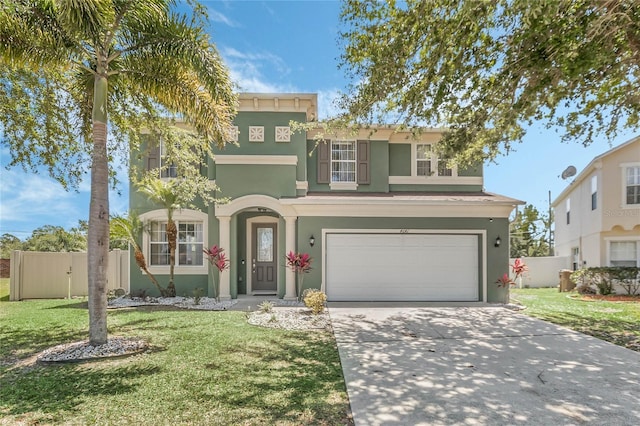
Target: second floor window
{"x": 343, "y": 161}
{"x": 428, "y": 164}
{"x": 167, "y": 170}
{"x": 423, "y": 160}
{"x": 568, "y": 208}
{"x": 633, "y": 185}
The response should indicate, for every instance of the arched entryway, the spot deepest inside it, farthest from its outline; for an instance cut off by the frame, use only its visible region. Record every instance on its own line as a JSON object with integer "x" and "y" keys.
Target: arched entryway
{"x": 258, "y": 226}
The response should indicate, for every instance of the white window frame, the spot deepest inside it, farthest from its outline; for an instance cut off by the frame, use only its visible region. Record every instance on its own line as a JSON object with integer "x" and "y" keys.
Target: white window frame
{"x": 340, "y": 184}
{"x": 567, "y": 206}
{"x": 609, "y": 240}
{"x": 435, "y": 161}
{"x": 625, "y": 167}
{"x": 181, "y": 216}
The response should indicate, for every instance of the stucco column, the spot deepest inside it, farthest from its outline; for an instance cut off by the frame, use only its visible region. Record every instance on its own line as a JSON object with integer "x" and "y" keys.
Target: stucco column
{"x": 225, "y": 242}
{"x": 290, "y": 245}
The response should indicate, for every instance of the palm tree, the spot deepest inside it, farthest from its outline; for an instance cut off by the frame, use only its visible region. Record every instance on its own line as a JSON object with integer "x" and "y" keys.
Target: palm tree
{"x": 167, "y": 195}
{"x": 128, "y": 229}
{"x": 87, "y": 59}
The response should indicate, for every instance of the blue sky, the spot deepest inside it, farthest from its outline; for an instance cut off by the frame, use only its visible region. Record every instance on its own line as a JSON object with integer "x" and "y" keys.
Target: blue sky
{"x": 290, "y": 46}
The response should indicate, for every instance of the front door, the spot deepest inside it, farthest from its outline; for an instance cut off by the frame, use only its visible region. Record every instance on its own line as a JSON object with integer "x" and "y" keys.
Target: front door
{"x": 264, "y": 257}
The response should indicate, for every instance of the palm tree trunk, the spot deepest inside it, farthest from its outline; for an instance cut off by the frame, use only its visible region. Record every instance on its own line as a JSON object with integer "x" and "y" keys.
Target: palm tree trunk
{"x": 98, "y": 233}
{"x": 142, "y": 264}
{"x": 172, "y": 236}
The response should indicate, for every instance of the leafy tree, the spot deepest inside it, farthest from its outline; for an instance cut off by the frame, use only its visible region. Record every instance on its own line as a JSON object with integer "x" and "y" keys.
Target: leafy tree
{"x": 128, "y": 230}
{"x": 72, "y": 72}
{"x": 52, "y": 238}
{"x": 9, "y": 243}
{"x": 485, "y": 69}
{"x": 529, "y": 231}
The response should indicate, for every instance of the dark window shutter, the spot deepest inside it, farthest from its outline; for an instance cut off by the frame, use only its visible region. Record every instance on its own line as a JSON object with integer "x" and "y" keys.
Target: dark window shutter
{"x": 364, "y": 162}
{"x": 323, "y": 162}
{"x": 153, "y": 160}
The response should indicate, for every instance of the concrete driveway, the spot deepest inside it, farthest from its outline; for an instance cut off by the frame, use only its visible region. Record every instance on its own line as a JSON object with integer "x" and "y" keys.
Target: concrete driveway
{"x": 479, "y": 366}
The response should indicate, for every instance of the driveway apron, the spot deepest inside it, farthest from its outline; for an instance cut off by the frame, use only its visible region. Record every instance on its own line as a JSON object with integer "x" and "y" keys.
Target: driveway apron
{"x": 480, "y": 366}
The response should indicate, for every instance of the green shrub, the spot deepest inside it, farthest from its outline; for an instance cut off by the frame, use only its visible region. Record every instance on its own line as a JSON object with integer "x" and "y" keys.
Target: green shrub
{"x": 197, "y": 295}
{"x": 605, "y": 277}
{"x": 265, "y": 306}
{"x": 314, "y": 300}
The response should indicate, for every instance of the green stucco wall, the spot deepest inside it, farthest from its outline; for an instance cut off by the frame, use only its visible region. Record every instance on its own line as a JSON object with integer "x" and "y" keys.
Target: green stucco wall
{"x": 269, "y": 120}
{"x": 497, "y": 257}
{"x": 235, "y": 180}
{"x": 400, "y": 159}
{"x": 379, "y": 169}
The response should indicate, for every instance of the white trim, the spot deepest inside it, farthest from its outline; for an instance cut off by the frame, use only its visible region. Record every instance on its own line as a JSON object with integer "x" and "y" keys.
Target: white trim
{"x": 482, "y": 233}
{"x": 184, "y": 215}
{"x": 249, "y": 226}
{"x": 440, "y": 180}
{"x": 343, "y": 186}
{"x": 391, "y": 208}
{"x": 272, "y": 160}
{"x": 369, "y": 207}
{"x": 609, "y": 240}
{"x": 282, "y": 133}
{"x": 249, "y": 201}
{"x": 302, "y": 184}
{"x": 256, "y": 133}
{"x": 434, "y": 163}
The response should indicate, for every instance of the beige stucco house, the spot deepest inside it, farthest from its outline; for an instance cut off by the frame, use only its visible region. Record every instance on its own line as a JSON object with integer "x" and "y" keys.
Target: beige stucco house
{"x": 597, "y": 217}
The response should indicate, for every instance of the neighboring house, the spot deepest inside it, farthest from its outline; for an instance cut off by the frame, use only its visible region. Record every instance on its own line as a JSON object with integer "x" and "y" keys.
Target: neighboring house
{"x": 382, "y": 217}
{"x": 597, "y": 217}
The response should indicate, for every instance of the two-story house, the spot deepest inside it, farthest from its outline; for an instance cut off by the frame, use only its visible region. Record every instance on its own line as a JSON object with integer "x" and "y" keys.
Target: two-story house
{"x": 597, "y": 217}
{"x": 383, "y": 218}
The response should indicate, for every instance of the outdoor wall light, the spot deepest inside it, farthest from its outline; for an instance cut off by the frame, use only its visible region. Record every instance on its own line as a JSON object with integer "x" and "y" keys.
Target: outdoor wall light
{"x": 312, "y": 240}
{"x": 498, "y": 242}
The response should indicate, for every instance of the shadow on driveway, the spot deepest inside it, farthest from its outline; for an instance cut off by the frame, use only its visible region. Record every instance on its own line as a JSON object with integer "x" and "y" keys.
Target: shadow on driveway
{"x": 480, "y": 365}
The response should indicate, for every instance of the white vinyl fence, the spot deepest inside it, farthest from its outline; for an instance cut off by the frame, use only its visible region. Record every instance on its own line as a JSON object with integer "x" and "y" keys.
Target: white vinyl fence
{"x": 40, "y": 275}
{"x": 543, "y": 271}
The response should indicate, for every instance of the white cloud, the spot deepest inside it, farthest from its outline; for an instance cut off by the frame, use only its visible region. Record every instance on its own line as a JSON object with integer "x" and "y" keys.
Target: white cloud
{"x": 245, "y": 69}
{"x": 327, "y": 107}
{"x": 219, "y": 17}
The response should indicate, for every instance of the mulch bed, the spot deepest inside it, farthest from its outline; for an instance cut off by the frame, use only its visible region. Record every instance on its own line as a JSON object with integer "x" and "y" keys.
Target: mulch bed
{"x": 609, "y": 298}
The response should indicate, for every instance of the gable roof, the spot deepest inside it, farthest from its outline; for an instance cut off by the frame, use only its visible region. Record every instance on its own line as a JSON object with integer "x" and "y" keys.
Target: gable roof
{"x": 590, "y": 168}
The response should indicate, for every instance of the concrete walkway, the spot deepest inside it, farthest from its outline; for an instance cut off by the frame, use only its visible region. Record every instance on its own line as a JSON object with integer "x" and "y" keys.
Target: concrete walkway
{"x": 480, "y": 366}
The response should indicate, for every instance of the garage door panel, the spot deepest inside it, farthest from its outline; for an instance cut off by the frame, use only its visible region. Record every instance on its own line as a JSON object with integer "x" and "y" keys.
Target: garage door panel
{"x": 402, "y": 267}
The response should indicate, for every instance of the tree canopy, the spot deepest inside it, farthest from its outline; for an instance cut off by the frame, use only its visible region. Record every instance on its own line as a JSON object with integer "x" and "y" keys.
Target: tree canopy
{"x": 529, "y": 233}
{"x": 81, "y": 79}
{"x": 484, "y": 70}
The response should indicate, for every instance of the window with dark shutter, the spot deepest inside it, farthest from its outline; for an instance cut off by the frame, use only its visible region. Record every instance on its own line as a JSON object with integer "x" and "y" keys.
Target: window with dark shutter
{"x": 153, "y": 159}
{"x": 323, "y": 162}
{"x": 364, "y": 162}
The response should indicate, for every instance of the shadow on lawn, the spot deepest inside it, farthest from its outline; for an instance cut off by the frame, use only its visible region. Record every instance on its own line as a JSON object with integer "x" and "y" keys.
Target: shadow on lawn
{"x": 304, "y": 384}
{"x": 620, "y": 332}
{"x": 59, "y": 389}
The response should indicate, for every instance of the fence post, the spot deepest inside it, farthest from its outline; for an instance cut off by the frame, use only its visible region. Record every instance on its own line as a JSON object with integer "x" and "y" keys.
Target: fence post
{"x": 15, "y": 278}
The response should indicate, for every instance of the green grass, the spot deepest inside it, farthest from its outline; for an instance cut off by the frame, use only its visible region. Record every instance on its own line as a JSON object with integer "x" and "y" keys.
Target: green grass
{"x": 615, "y": 322}
{"x": 203, "y": 368}
{"x": 4, "y": 289}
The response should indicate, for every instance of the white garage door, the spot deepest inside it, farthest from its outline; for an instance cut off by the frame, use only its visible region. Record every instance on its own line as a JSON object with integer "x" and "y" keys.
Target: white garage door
{"x": 402, "y": 267}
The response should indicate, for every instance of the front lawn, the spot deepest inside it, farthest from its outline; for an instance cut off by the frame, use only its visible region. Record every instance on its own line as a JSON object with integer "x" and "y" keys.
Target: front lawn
{"x": 203, "y": 368}
{"x": 615, "y": 322}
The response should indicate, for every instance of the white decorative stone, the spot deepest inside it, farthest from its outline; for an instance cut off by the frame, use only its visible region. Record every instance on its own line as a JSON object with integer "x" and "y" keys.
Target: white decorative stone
{"x": 283, "y": 134}
{"x": 256, "y": 133}
{"x": 233, "y": 134}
